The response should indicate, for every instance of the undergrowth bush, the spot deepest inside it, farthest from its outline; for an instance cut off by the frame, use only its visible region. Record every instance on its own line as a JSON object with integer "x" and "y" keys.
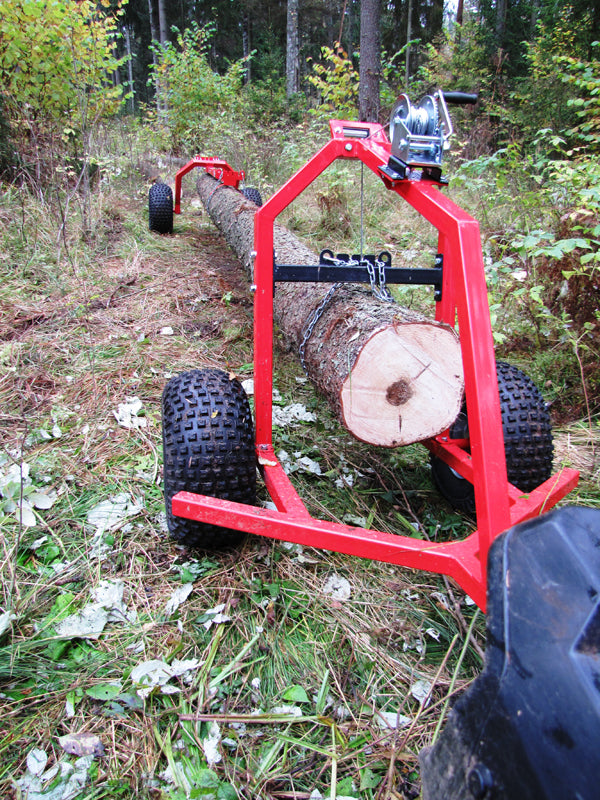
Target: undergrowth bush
{"x": 336, "y": 82}
{"x": 541, "y": 219}
{"x": 194, "y": 93}
{"x": 54, "y": 62}
{"x": 544, "y": 97}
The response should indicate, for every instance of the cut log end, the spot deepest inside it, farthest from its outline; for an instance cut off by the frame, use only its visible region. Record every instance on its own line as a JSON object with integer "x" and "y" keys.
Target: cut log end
{"x": 405, "y": 386}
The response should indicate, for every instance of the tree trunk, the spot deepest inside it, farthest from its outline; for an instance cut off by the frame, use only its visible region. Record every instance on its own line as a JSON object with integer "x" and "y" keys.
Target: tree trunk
{"x": 501, "y": 7}
{"x": 408, "y": 38}
{"x": 370, "y": 61}
{"x": 162, "y": 23}
{"x": 155, "y": 42}
{"x": 127, "y": 32}
{"x": 246, "y": 49}
{"x": 292, "y": 61}
{"x": 392, "y": 376}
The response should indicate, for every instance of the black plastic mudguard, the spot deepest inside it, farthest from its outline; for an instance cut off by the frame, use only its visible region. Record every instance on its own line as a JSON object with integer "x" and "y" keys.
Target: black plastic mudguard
{"x": 528, "y": 728}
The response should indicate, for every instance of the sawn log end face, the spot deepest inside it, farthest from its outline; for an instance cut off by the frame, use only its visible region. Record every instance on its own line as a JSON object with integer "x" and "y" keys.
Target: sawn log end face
{"x": 406, "y": 385}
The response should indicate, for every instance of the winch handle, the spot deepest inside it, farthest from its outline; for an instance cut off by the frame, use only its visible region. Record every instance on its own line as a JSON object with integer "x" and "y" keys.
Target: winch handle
{"x": 460, "y": 98}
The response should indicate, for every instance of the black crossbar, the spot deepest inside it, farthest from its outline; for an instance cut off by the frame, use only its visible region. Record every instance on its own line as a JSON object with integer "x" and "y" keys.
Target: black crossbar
{"x": 343, "y": 273}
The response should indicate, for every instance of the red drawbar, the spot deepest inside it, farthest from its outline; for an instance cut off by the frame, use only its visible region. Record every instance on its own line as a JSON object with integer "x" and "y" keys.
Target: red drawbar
{"x": 499, "y": 504}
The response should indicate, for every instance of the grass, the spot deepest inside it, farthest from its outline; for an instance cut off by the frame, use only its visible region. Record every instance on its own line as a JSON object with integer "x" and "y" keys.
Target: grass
{"x": 301, "y": 689}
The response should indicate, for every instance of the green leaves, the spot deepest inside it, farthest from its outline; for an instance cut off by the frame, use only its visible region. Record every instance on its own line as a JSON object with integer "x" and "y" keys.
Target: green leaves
{"x": 54, "y": 60}
{"x": 295, "y": 694}
{"x": 337, "y": 83}
{"x": 194, "y": 91}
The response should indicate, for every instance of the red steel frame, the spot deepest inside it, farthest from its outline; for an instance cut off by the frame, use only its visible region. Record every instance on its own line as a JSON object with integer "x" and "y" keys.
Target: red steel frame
{"x": 481, "y": 460}
{"x": 214, "y": 166}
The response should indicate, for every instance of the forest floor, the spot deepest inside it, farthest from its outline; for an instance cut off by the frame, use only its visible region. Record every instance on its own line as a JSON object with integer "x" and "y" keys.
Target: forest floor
{"x": 273, "y": 671}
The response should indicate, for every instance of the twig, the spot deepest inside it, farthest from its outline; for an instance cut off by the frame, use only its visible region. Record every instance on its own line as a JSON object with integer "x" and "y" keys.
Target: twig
{"x": 440, "y": 721}
{"x": 395, "y": 746}
{"x": 458, "y": 615}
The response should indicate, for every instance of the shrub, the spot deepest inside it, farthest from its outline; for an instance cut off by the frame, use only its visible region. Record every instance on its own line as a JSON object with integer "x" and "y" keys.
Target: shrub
{"x": 54, "y": 61}
{"x": 194, "y": 93}
{"x": 336, "y": 82}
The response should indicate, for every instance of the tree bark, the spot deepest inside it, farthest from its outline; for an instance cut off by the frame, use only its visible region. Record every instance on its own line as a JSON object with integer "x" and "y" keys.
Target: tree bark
{"x": 392, "y": 376}
{"x": 408, "y": 38}
{"x": 370, "y": 61}
{"x": 162, "y": 23}
{"x": 292, "y": 62}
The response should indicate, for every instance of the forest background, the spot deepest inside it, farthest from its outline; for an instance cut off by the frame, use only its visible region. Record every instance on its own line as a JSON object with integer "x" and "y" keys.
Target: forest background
{"x": 94, "y": 309}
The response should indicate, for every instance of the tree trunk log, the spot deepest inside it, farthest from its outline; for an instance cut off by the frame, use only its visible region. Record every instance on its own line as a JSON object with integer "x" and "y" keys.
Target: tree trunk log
{"x": 392, "y": 376}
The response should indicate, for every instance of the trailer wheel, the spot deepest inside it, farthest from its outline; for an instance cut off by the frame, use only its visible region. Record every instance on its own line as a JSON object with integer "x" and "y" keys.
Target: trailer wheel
{"x": 160, "y": 208}
{"x": 208, "y": 448}
{"x": 527, "y": 440}
{"x": 253, "y": 195}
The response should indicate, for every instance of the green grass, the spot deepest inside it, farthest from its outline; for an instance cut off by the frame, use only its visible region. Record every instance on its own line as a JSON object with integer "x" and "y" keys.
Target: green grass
{"x": 298, "y": 683}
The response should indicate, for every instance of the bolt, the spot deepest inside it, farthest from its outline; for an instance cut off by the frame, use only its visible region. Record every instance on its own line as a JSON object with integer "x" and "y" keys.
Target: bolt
{"x": 348, "y": 148}
{"x": 480, "y": 780}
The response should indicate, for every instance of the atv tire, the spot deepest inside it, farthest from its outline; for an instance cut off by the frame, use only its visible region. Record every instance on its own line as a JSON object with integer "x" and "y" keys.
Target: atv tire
{"x": 527, "y": 440}
{"x": 160, "y": 208}
{"x": 253, "y": 195}
{"x": 208, "y": 448}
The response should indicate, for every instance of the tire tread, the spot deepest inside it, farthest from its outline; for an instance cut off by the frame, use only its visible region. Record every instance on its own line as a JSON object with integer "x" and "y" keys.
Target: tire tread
{"x": 208, "y": 448}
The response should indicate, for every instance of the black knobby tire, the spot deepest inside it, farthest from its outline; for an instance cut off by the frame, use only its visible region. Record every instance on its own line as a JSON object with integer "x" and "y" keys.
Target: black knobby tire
{"x": 208, "y": 448}
{"x": 253, "y": 195}
{"x": 527, "y": 432}
{"x": 160, "y": 208}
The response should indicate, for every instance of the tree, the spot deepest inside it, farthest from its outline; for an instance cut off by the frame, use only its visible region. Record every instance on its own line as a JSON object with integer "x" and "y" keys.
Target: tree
{"x": 162, "y": 23}
{"x": 370, "y": 60}
{"x": 292, "y": 64}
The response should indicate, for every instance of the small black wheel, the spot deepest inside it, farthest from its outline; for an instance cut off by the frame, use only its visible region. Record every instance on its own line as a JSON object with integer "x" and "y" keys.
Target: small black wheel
{"x": 253, "y": 195}
{"x": 208, "y": 448}
{"x": 527, "y": 435}
{"x": 160, "y": 208}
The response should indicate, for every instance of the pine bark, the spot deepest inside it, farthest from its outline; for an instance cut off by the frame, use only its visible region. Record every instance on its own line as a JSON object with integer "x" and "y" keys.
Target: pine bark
{"x": 392, "y": 376}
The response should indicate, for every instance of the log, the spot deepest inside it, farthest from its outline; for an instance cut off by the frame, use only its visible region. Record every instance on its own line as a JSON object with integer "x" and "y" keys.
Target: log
{"x": 393, "y": 376}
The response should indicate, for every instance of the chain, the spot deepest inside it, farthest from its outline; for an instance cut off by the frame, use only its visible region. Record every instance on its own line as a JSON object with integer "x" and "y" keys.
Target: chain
{"x": 372, "y": 278}
{"x": 377, "y": 281}
{"x": 314, "y": 318}
{"x": 378, "y": 289}
{"x": 383, "y": 293}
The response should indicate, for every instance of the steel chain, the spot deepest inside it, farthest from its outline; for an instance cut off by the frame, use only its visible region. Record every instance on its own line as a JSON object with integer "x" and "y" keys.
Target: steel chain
{"x": 378, "y": 289}
{"x": 314, "y": 318}
{"x": 383, "y": 293}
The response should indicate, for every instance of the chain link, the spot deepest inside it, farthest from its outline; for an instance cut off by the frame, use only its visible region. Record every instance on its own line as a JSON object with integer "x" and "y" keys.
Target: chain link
{"x": 383, "y": 293}
{"x": 378, "y": 289}
{"x": 314, "y": 318}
